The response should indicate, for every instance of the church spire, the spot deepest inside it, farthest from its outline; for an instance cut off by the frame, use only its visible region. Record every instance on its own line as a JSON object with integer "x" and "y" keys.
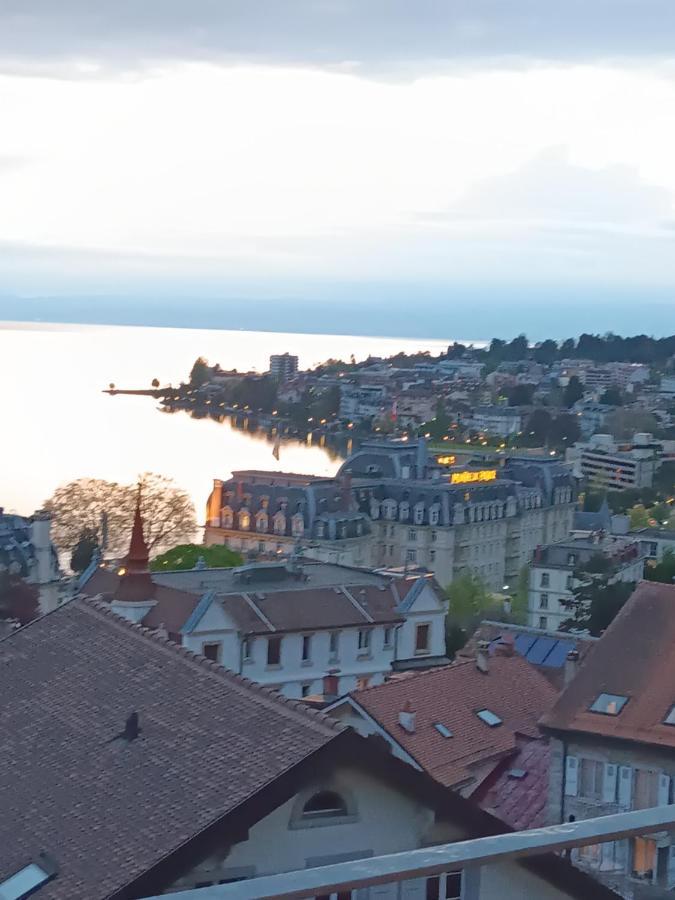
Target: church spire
{"x": 135, "y": 584}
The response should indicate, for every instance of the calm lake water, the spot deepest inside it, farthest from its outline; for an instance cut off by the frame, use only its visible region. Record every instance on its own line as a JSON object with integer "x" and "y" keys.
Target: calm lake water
{"x": 57, "y": 425}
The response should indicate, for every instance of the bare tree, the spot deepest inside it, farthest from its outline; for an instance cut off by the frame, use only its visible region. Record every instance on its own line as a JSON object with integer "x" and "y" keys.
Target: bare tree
{"x": 168, "y": 513}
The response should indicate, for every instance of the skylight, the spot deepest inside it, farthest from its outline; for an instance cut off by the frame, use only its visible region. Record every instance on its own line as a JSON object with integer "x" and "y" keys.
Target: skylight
{"x": 609, "y": 704}
{"x": 670, "y": 718}
{"x": 24, "y": 882}
{"x": 441, "y": 729}
{"x": 490, "y": 718}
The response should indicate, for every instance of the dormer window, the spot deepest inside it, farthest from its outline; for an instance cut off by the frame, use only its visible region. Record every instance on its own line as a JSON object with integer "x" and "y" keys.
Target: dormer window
{"x": 244, "y": 520}
{"x": 608, "y": 704}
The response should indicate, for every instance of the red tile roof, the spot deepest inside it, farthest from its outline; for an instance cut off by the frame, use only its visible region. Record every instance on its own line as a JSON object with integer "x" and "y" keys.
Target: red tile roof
{"x": 451, "y": 696}
{"x": 635, "y": 658}
{"x": 519, "y": 801}
{"x": 108, "y": 810}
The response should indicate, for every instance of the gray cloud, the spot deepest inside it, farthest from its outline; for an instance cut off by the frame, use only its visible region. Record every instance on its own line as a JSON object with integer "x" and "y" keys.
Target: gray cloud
{"x": 371, "y": 35}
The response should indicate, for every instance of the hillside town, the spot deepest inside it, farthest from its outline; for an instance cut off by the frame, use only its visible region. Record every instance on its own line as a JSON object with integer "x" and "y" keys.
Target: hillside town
{"x": 458, "y": 635}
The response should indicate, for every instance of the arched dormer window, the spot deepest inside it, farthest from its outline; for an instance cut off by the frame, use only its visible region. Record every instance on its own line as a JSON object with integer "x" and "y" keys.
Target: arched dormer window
{"x": 244, "y": 519}
{"x": 261, "y": 521}
{"x": 226, "y": 517}
{"x": 298, "y": 525}
{"x": 403, "y": 511}
{"x": 434, "y": 514}
{"x": 279, "y": 523}
{"x": 324, "y": 804}
{"x": 419, "y": 513}
{"x": 321, "y": 529}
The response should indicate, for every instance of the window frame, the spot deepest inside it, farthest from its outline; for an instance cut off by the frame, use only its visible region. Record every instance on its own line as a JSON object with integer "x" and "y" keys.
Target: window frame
{"x": 422, "y": 651}
{"x": 306, "y": 651}
{"x": 364, "y": 646}
{"x": 219, "y": 650}
{"x": 610, "y": 698}
{"x": 274, "y": 640}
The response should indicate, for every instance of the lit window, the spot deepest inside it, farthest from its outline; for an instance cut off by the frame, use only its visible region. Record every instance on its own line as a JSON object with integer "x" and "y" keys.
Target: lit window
{"x": 609, "y": 704}
{"x": 442, "y": 730}
{"x": 323, "y": 805}
{"x": 490, "y": 718}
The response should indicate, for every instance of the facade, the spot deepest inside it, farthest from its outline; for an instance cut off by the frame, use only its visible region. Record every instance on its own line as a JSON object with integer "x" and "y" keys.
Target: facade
{"x": 505, "y": 421}
{"x": 558, "y": 569}
{"x": 283, "y": 366}
{"x": 187, "y": 776}
{"x": 467, "y": 725}
{"x": 606, "y": 464}
{"x": 26, "y": 550}
{"x": 614, "y": 742}
{"x": 591, "y": 416}
{"x": 655, "y": 542}
{"x": 391, "y": 507}
{"x": 285, "y": 625}
{"x": 359, "y": 402}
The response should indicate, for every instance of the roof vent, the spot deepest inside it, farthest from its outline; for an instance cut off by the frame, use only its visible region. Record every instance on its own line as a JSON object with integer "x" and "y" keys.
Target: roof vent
{"x": 131, "y": 730}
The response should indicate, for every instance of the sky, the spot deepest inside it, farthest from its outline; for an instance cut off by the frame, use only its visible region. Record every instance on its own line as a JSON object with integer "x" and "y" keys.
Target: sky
{"x": 409, "y": 167}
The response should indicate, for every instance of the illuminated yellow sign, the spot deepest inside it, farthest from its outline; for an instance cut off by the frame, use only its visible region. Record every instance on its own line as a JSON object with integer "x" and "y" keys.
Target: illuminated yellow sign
{"x": 446, "y": 460}
{"x": 471, "y": 477}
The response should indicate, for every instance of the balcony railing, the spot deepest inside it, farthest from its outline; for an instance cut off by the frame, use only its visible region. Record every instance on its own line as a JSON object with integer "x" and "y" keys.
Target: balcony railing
{"x": 470, "y": 857}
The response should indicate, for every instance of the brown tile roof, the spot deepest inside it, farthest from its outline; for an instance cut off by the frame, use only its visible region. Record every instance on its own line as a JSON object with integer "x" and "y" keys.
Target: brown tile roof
{"x": 108, "y": 810}
{"x": 635, "y": 658}
{"x": 451, "y": 696}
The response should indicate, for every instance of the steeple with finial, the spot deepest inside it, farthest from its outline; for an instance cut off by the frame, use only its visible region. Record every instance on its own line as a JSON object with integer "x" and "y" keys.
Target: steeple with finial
{"x": 134, "y": 595}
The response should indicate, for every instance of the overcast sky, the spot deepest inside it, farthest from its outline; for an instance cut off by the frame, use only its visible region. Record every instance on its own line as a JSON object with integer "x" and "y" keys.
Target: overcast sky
{"x": 274, "y": 148}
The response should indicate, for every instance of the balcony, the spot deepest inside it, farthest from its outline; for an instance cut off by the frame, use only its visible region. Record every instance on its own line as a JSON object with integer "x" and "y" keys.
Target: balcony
{"x": 385, "y": 876}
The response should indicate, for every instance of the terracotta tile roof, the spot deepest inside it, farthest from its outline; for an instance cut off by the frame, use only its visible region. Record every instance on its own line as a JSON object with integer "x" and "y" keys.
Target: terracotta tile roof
{"x": 451, "y": 696}
{"x": 635, "y": 659}
{"x": 519, "y": 801}
{"x": 109, "y": 810}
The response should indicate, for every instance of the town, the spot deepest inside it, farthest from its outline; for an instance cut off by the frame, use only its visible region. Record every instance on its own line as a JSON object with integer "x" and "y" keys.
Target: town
{"x": 465, "y": 633}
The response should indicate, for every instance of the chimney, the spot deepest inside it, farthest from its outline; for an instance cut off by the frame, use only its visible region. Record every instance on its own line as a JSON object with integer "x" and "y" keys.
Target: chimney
{"x": 330, "y": 686}
{"x": 406, "y": 718}
{"x": 346, "y": 492}
{"x": 571, "y": 666}
{"x": 482, "y": 657}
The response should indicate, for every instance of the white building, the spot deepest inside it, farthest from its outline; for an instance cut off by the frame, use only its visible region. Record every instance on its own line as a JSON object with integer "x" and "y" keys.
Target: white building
{"x": 501, "y": 420}
{"x": 607, "y": 464}
{"x": 283, "y": 366}
{"x": 557, "y": 570}
{"x": 26, "y": 550}
{"x": 358, "y": 402}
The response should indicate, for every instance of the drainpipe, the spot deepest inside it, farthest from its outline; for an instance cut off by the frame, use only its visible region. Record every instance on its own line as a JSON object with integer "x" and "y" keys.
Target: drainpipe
{"x": 241, "y": 654}
{"x": 563, "y": 782}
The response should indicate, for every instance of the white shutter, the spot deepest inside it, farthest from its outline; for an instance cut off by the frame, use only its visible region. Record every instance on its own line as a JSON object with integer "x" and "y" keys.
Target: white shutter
{"x": 625, "y": 786}
{"x": 571, "y": 776}
{"x": 609, "y": 784}
{"x": 664, "y": 790}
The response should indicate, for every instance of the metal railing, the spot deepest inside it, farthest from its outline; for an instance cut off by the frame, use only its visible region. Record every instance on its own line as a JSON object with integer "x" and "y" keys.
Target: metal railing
{"x": 469, "y": 856}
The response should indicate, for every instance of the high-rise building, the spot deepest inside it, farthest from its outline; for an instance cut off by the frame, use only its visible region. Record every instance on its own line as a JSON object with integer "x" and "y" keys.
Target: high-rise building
{"x": 283, "y": 366}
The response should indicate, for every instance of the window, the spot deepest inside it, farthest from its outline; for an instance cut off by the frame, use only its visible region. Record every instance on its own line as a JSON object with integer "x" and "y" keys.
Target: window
{"x": 490, "y": 718}
{"x": 609, "y": 704}
{"x": 543, "y": 601}
{"x": 212, "y": 651}
{"x": 422, "y": 639}
{"x": 306, "y": 648}
{"x": 670, "y": 718}
{"x": 442, "y": 730}
{"x": 569, "y": 583}
{"x": 644, "y": 858}
{"x": 591, "y": 775}
{"x": 305, "y": 690}
{"x": 545, "y": 579}
{"x": 362, "y": 682}
{"x": 571, "y": 559}
{"x": 388, "y": 636}
{"x": 432, "y": 556}
{"x": 364, "y": 640}
{"x": 543, "y": 623}
{"x": 334, "y": 644}
{"x": 645, "y": 789}
{"x": 434, "y": 537}
{"x": 261, "y": 546}
{"x": 411, "y": 556}
{"x": 274, "y": 651}
{"x": 447, "y": 886}
{"x": 248, "y": 648}
{"x": 412, "y": 534}
{"x": 325, "y": 804}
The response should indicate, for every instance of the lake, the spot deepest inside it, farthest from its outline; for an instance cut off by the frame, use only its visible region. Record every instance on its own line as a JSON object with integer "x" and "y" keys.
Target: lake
{"x": 57, "y": 425}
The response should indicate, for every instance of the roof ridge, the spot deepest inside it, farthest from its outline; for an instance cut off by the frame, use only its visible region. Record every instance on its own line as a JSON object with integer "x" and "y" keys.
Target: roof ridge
{"x": 238, "y": 682}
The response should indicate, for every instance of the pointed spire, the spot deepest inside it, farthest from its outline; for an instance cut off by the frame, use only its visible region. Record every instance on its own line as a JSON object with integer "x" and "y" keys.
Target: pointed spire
{"x": 135, "y": 584}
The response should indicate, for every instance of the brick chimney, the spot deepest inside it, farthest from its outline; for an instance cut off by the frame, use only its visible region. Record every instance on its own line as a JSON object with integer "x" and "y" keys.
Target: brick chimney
{"x": 483, "y": 657}
{"x": 330, "y": 686}
{"x": 406, "y": 718}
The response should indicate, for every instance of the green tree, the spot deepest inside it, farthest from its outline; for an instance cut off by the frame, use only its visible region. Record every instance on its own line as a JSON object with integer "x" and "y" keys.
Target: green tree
{"x": 595, "y": 603}
{"x": 469, "y": 601}
{"x": 186, "y": 556}
{"x": 574, "y": 390}
{"x": 546, "y": 352}
{"x": 538, "y": 426}
{"x": 639, "y": 517}
{"x": 84, "y": 549}
{"x": 199, "y": 374}
{"x": 663, "y": 571}
{"x": 612, "y": 396}
{"x": 521, "y": 394}
{"x": 564, "y": 430}
{"x": 623, "y": 423}
{"x": 520, "y": 598}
